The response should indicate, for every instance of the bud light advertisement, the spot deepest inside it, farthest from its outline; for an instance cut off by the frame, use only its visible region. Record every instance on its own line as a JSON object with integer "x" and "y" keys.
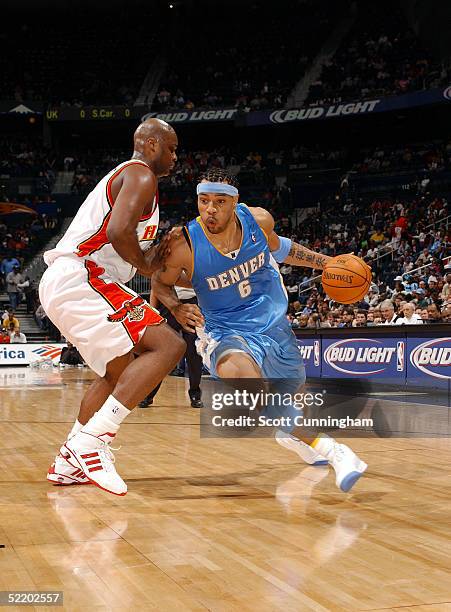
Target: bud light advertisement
{"x": 429, "y": 361}
{"x": 371, "y": 358}
{"x": 310, "y": 349}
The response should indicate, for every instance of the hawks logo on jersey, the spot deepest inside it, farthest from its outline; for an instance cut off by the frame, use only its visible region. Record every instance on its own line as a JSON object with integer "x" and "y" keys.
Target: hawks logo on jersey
{"x": 149, "y": 233}
{"x": 131, "y": 309}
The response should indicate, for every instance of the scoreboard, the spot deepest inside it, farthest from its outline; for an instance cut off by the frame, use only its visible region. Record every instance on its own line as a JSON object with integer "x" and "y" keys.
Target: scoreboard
{"x": 92, "y": 113}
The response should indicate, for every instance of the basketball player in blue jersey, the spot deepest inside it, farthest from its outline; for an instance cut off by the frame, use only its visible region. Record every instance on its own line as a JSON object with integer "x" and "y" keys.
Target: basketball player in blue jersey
{"x": 230, "y": 252}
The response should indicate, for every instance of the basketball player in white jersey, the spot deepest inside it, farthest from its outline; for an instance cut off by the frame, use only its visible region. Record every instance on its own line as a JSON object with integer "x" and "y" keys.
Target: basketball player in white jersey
{"x": 83, "y": 293}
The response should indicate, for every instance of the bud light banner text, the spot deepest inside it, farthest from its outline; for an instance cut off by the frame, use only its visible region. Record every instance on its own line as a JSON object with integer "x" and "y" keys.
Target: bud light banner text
{"x": 359, "y": 107}
{"x": 310, "y": 349}
{"x": 364, "y": 357}
{"x": 429, "y": 361}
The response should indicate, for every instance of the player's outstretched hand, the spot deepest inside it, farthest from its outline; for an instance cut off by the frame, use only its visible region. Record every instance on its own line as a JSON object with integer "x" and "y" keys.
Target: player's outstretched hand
{"x": 156, "y": 256}
{"x": 189, "y": 316}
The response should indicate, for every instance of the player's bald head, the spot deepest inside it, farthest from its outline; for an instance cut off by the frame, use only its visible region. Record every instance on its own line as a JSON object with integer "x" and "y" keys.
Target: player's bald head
{"x": 155, "y": 142}
{"x": 152, "y": 129}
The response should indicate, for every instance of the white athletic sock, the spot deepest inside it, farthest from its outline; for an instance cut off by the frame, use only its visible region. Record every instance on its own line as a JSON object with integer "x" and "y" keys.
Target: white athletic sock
{"x": 75, "y": 429}
{"x": 107, "y": 419}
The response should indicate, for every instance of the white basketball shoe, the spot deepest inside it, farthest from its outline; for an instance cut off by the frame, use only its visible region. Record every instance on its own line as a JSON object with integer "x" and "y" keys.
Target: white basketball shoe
{"x": 95, "y": 458}
{"x": 62, "y": 473}
{"x": 305, "y": 452}
{"x": 348, "y": 467}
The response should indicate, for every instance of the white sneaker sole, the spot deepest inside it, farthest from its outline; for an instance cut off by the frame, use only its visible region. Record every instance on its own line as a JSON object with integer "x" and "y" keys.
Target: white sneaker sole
{"x": 350, "y": 479}
{"x": 65, "y": 481}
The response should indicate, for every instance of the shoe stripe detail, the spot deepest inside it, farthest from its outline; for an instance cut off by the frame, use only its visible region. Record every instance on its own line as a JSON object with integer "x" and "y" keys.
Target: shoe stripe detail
{"x": 89, "y": 455}
{"x": 77, "y": 473}
{"x": 93, "y": 461}
{"x": 74, "y": 457}
{"x": 94, "y": 469}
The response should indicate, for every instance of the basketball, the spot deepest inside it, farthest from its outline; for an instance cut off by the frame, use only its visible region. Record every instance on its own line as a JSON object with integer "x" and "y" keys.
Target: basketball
{"x": 346, "y": 279}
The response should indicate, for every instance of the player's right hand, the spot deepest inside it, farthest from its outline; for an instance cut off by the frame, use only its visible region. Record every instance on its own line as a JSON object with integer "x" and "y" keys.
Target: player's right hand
{"x": 189, "y": 316}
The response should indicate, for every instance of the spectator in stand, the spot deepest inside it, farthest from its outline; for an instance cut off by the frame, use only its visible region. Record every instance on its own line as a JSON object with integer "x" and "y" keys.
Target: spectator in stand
{"x": 446, "y": 314}
{"x": 9, "y": 311}
{"x": 424, "y": 315}
{"x": 15, "y": 335}
{"x": 422, "y": 258}
{"x": 4, "y": 336}
{"x": 348, "y": 317}
{"x": 446, "y": 290}
{"x": 388, "y": 313}
{"x": 303, "y": 320}
{"x": 10, "y": 320}
{"x": 377, "y": 237}
{"x": 8, "y": 264}
{"x": 41, "y": 318}
{"x": 13, "y": 279}
{"x": 434, "y": 315}
{"x": 377, "y": 317}
{"x": 360, "y": 318}
{"x": 26, "y": 287}
{"x": 331, "y": 320}
{"x": 410, "y": 317}
{"x": 314, "y": 320}
{"x": 370, "y": 317}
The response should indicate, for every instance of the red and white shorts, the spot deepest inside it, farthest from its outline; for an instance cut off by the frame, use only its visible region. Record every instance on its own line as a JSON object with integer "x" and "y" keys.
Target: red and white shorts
{"x": 101, "y": 317}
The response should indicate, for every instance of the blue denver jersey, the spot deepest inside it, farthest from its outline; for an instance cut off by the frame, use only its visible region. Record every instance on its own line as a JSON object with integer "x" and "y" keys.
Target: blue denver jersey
{"x": 240, "y": 295}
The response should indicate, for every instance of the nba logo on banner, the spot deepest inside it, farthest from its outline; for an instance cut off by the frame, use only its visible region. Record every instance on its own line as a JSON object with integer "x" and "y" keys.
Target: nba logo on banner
{"x": 400, "y": 357}
{"x": 316, "y": 352}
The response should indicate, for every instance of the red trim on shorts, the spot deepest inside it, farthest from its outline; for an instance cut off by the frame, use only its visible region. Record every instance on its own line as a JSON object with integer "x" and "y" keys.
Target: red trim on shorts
{"x": 99, "y": 238}
{"x": 120, "y": 300}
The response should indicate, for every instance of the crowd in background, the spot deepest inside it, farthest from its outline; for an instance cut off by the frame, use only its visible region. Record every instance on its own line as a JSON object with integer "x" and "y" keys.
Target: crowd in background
{"x": 259, "y": 167}
{"x": 407, "y": 242}
{"x": 10, "y": 328}
{"x": 253, "y": 67}
{"x": 379, "y": 57}
{"x": 20, "y": 239}
{"x": 250, "y": 68}
{"x": 103, "y": 69}
{"x": 20, "y": 157}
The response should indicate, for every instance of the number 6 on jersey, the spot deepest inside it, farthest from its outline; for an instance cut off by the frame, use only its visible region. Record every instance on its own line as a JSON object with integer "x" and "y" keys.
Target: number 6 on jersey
{"x": 245, "y": 288}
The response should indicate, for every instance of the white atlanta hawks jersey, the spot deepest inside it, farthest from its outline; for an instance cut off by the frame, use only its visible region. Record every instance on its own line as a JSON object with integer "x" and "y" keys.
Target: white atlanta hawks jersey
{"x": 86, "y": 237}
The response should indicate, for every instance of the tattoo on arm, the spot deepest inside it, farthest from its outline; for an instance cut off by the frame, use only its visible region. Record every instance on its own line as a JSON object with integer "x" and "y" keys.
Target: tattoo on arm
{"x": 301, "y": 256}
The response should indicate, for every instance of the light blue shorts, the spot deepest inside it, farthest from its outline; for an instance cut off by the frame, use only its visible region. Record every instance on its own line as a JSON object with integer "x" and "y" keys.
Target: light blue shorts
{"x": 276, "y": 353}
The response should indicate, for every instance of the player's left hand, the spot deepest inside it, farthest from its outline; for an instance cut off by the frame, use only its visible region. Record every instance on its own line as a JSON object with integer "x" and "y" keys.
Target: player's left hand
{"x": 189, "y": 316}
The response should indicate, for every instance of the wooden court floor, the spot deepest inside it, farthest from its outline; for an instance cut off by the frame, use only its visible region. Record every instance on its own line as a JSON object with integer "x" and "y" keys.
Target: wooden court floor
{"x": 223, "y": 524}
